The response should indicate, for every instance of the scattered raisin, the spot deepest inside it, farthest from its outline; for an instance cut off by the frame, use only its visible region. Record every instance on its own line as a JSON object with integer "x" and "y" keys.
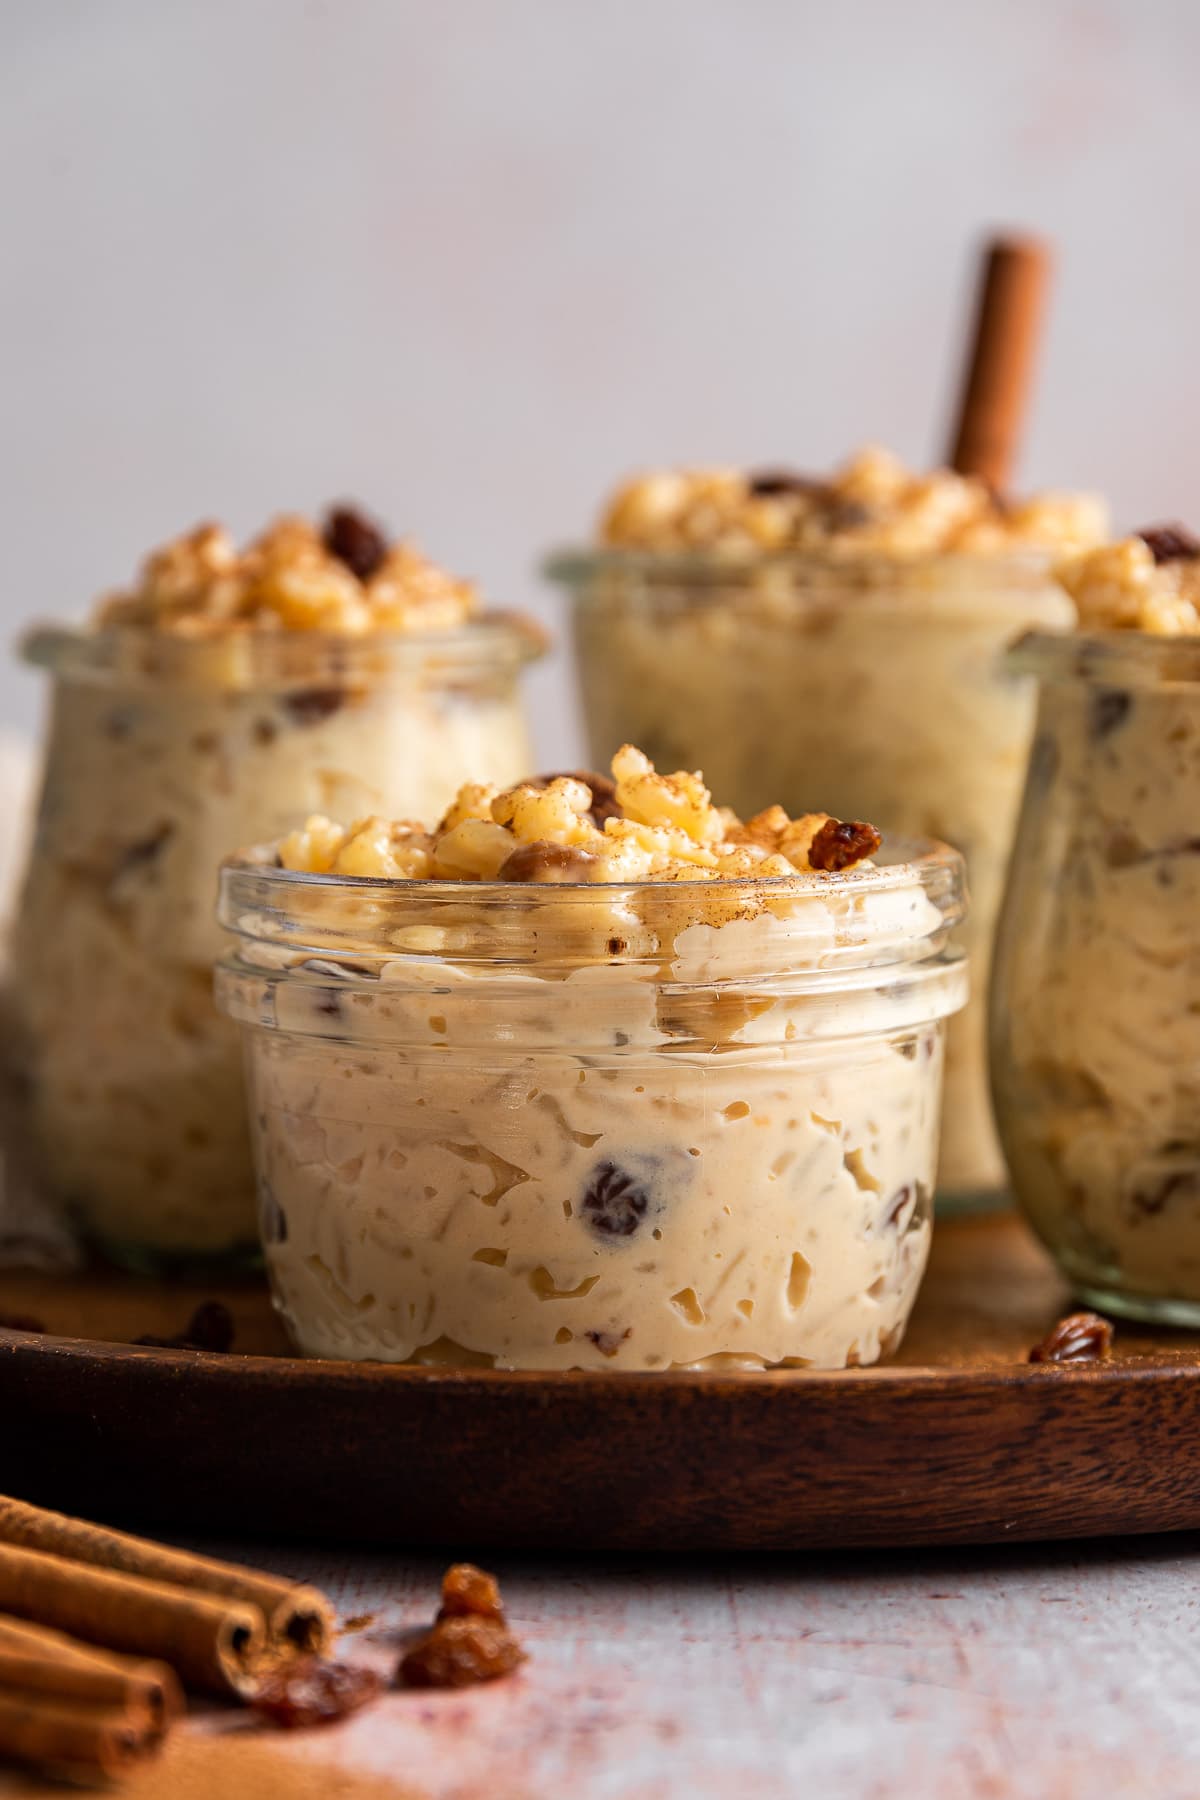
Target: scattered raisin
{"x": 308, "y": 706}
{"x": 614, "y": 1203}
{"x": 310, "y": 1691}
{"x": 766, "y": 483}
{"x": 458, "y": 1652}
{"x": 1080, "y": 1337}
{"x": 20, "y": 1322}
{"x": 1170, "y": 543}
{"x": 1109, "y": 708}
{"x": 466, "y": 1589}
{"x": 546, "y": 861}
{"x": 209, "y": 1328}
{"x": 839, "y": 844}
{"x": 355, "y": 540}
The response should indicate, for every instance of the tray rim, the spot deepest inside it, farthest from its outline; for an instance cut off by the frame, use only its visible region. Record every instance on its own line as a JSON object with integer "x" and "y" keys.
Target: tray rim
{"x": 300, "y": 1371}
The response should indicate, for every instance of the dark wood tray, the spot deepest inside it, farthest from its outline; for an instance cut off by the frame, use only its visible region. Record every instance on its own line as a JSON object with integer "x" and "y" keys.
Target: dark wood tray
{"x": 958, "y": 1439}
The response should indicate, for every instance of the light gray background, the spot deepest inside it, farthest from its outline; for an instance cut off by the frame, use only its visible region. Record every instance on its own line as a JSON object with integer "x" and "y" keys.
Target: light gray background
{"x": 470, "y": 260}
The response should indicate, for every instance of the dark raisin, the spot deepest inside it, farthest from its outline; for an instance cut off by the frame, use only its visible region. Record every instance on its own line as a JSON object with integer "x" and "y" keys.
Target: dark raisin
{"x": 209, "y": 1328}
{"x": 272, "y": 1220}
{"x": 20, "y": 1322}
{"x": 614, "y": 1203}
{"x": 607, "y": 1342}
{"x": 468, "y": 1590}
{"x": 355, "y": 540}
{"x": 1109, "y": 708}
{"x": 309, "y": 1691}
{"x": 308, "y": 706}
{"x": 1170, "y": 543}
{"x": 144, "y": 852}
{"x": 839, "y": 844}
{"x": 1080, "y": 1337}
{"x": 545, "y": 861}
{"x": 897, "y": 1204}
{"x": 765, "y": 483}
{"x": 604, "y": 791}
{"x": 1152, "y": 1194}
{"x": 459, "y": 1652}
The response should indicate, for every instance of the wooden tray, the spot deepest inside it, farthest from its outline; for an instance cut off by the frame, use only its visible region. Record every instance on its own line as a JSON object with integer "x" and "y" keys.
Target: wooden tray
{"x": 958, "y": 1439}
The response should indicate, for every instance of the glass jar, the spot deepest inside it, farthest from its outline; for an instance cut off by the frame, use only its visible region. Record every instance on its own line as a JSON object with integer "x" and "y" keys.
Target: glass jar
{"x": 641, "y": 1127}
{"x": 1096, "y": 990}
{"x": 874, "y": 688}
{"x": 163, "y": 754}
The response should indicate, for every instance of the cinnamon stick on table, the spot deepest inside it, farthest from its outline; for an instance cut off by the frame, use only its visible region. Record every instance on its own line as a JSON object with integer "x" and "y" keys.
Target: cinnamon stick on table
{"x": 71, "y": 1738}
{"x": 125, "y": 1678}
{"x": 998, "y": 378}
{"x": 211, "y": 1642}
{"x": 295, "y": 1615}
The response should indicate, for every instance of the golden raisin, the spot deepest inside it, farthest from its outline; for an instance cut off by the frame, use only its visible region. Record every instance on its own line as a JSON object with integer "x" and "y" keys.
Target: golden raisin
{"x": 466, "y": 1589}
{"x": 459, "y": 1652}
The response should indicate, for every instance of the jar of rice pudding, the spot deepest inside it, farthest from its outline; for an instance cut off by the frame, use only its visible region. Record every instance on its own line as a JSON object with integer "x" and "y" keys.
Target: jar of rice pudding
{"x": 594, "y": 1076}
{"x": 221, "y": 701}
{"x": 1096, "y": 996}
{"x": 838, "y": 641}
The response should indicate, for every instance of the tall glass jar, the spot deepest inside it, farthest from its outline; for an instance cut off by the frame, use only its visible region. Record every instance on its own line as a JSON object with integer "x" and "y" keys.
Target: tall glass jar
{"x": 875, "y": 687}
{"x": 162, "y": 754}
{"x": 560, "y": 1127}
{"x": 1096, "y": 991}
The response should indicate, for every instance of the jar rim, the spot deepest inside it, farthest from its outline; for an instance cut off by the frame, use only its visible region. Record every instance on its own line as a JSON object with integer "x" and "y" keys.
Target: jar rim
{"x": 574, "y": 565}
{"x": 376, "y": 919}
{"x": 1115, "y": 658}
{"x": 279, "y": 660}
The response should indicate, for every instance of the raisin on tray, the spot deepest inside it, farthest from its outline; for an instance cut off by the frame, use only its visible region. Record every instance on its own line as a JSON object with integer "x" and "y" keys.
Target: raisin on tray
{"x": 458, "y": 1652}
{"x": 468, "y": 1590}
{"x": 310, "y": 1691}
{"x": 1080, "y": 1337}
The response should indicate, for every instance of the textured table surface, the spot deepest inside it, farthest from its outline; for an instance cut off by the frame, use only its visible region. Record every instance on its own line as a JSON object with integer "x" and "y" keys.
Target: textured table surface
{"x": 1062, "y": 1673}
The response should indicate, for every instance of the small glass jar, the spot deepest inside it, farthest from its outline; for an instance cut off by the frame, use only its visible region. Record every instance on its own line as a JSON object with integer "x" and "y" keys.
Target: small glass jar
{"x": 640, "y": 1127}
{"x": 874, "y": 687}
{"x": 162, "y": 753}
{"x": 1096, "y": 988}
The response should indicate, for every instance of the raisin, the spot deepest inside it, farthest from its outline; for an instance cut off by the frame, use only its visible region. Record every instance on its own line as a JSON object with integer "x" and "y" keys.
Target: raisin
{"x": 209, "y": 1328}
{"x": 310, "y": 1691}
{"x": 1152, "y": 1197}
{"x": 897, "y": 1204}
{"x": 1109, "y": 708}
{"x": 839, "y": 844}
{"x": 604, "y": 792}
{"x": 355, "y": 540}
{"x": 1080, "y": 1337}
{"x": 143, "y": 853}
{"x": 766, "y": 483}
{"x": 308, "y": 706}
{"x": 1170, "y": 543}
{"x": 466, "y": 1589}
{"x": 272, "y": 1220}
{"x": 20, "y": 1322}
{"x": 458, "y": 1652}
{"x": 546, "y": 861}
{"x": 614, "y": 1204}
{"x": 608, "y": 1342}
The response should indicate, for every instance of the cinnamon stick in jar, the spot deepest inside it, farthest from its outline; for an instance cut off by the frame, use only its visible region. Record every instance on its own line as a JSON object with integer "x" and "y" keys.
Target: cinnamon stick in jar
{"x": 296, "y": 1616}
{"x": 998, "y": 378}
{"x": 211, "y": 1642}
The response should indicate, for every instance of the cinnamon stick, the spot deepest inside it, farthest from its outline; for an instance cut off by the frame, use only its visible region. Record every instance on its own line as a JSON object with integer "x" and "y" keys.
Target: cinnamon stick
{"x": 211, "y": 1642}
{"x": 998, "y": 377}
{"x": 295, "y": 1615}
{"x": 132, "y": 1678}
{"x": 73, "y": 1739}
